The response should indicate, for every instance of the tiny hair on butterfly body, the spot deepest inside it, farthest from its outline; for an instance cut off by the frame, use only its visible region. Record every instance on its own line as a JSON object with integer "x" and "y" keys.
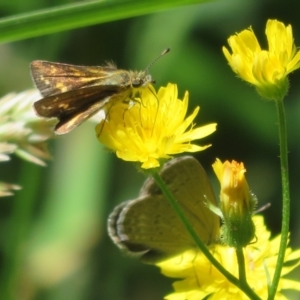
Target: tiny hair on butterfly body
{"x": 72, "y": 94}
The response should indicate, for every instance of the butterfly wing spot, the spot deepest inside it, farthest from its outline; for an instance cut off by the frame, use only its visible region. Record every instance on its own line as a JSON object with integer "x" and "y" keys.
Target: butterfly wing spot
{"x": 60, "y": 86}
{"x": 63, "y": 106}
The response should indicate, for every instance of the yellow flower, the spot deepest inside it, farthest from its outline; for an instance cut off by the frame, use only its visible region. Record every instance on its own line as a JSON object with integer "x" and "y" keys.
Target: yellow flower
{"x": 234, "y": 187}
{"x": 152, "y": 129}
{"x": 267, "y": 70}
{"x": 202, "y": 279}
{"x": 236, "y": 203}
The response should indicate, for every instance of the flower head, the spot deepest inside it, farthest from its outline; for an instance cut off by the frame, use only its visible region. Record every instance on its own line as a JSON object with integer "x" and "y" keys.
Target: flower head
{"x": 22, "y": 132}
{"x": 6, "y": 189}
{"x": 267, "y": 70}
{"x": 236, "y": 203}
{"x": 154, "y": 128}
{"x": 202, "y": 279}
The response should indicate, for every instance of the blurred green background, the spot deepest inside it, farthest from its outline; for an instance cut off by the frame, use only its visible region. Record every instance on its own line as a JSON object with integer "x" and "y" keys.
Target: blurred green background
{"x": 66, "y": 253}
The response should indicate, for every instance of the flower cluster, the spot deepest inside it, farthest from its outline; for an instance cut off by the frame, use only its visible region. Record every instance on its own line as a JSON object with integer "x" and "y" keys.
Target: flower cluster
{"x": 201, "y": 279}
{"x": 22, "y": 132}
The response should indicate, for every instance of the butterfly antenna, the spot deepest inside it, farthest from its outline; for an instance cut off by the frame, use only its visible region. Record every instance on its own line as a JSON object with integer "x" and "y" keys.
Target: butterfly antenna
{"x": 157, "y": 58}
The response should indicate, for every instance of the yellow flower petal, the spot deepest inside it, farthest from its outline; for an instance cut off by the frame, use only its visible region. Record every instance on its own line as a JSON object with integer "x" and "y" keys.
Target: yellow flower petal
{"x": 155, "y": 128}
{"x": 236, "y": 203}
{"x": 200, "y": 278}
{"x": 267, "y": 70}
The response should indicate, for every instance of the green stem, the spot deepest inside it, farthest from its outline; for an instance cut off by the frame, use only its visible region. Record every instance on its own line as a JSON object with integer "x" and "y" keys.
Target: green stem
{"x": 285, "y": 197}
{"x": 245, "y": 288}
{"x": 241, "y": 263}
{"x": 242, "y": 269}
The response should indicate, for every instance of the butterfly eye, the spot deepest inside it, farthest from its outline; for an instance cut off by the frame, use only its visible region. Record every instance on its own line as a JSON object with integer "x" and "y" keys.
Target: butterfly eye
{"x": 137, "y": 82}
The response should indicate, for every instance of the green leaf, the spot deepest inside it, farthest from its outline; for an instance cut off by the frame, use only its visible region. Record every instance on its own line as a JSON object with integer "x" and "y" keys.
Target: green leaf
{"x": 77, "y": 15}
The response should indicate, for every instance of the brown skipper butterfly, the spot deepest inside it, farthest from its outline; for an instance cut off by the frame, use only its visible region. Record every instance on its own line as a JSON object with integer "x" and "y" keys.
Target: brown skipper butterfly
{"x": 72, "y": 94}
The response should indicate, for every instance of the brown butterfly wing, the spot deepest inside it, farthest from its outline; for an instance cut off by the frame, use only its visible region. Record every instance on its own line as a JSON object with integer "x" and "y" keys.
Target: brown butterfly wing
{"x": 74, "y": 107}
{"x": 189, "y": 184}
{"x": 55, "y": 78}
{"x": 148, "y": 226}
